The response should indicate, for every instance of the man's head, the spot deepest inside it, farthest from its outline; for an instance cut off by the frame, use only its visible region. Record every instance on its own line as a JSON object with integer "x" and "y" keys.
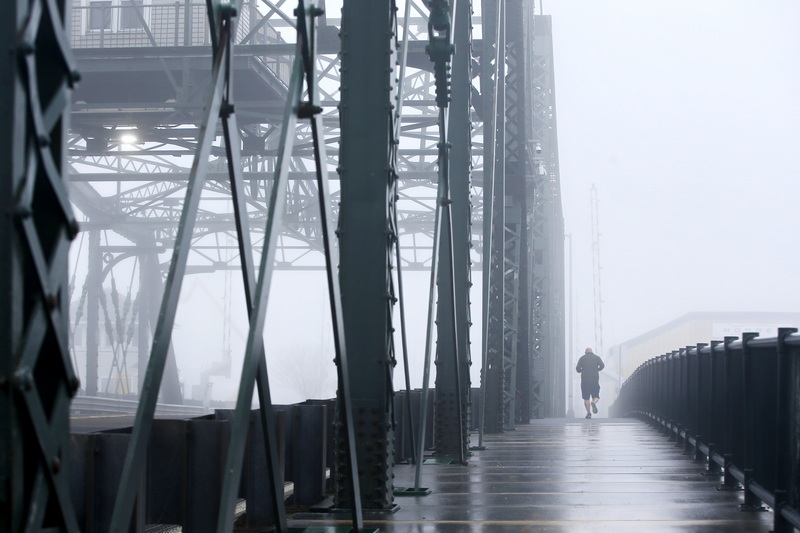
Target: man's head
{"x": 588, "y": 350}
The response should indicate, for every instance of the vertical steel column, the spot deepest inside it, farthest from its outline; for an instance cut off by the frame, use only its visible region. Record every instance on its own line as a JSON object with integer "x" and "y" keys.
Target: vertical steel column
{"x": 785, "y": 469}
{"x": 94, "y": 285}
{"x": 146, "y": 296}
{"x": 529, "y": 391}
{"x": 516, "y": 209}
{"x": 493, "y": 65}
{"x": 153, "y": 288}
{"x": 36, "y": 375}
{"x": 366, "y": 169}
{"x": 748, "y": 460}
{"x": 546, "y": 234}
{"x": 451, "y": 435}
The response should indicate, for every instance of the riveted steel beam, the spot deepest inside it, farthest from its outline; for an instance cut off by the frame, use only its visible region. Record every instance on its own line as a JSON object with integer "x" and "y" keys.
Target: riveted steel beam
{"x": 451, "y": 409}
{"x": 494, "y": 219}
{"x": 516, "y": 210}
{"x": 36, "y": 375}
{"x": 547, "y": 374}
{"x": 367, "y": 177}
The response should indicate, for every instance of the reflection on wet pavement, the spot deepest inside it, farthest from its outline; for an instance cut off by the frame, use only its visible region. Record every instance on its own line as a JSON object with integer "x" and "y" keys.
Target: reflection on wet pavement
{"x": 565, "y": 475}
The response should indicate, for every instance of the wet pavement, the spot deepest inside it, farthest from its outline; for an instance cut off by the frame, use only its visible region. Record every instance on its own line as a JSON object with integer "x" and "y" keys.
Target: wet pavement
{"x": 556, "y": 475}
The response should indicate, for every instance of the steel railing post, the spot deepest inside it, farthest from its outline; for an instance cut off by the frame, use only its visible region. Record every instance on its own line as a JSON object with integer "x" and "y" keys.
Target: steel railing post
{"x": 751, "y": 501}
{"x": 785, "y": 430}
{"x": 700, "y": 402}
{"x": 718, "y": 391}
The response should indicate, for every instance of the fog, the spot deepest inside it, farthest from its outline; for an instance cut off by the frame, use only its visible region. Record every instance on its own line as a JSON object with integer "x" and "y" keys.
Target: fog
{"x": 684, "y": 115}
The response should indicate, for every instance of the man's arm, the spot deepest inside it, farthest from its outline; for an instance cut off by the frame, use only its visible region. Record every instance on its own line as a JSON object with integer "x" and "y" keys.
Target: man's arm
{"x": 579, "y": 368}
{"x": 600, "y": 364}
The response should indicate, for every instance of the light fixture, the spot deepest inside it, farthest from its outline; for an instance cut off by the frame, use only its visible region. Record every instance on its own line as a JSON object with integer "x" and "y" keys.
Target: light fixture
{"x": 128, "y": 138}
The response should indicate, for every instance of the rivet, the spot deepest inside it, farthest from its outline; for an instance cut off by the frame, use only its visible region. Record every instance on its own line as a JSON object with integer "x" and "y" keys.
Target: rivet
{"x": 23, "y": 379}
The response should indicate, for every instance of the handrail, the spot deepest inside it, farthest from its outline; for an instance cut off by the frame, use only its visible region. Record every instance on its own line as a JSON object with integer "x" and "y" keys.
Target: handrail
{"x": 99, "y": 405}
{"x": 183, "y": 23}
{"x": 733, "y": 403}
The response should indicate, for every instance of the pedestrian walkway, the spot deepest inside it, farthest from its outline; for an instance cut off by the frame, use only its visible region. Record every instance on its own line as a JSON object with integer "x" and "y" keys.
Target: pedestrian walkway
{"x": 556, "y": 475}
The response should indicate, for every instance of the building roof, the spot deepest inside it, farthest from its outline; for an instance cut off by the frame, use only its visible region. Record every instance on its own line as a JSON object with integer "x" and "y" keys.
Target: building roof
{"x": 715, "y": 316}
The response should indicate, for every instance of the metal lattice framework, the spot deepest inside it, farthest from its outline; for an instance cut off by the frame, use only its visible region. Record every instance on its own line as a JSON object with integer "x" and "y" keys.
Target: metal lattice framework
{"x": 138, "y": 184}
{"x": 547, "y": 232}
{"x": 36, "y": 375}
{"x": 218, "y": 174}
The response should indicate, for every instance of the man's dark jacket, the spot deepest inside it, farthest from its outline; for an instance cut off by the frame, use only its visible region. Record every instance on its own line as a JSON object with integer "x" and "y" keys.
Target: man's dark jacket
{"x": 589, "y": 366}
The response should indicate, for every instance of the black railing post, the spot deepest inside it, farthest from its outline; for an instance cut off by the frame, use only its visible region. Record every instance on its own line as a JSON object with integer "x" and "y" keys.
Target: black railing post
{"x": 680, "y": 422}
{"x": 751, "y": 501}
{"x": 654, "y": 387}
{"x": 659, "y": 382}
{"x": 672, "y": 406}
{"x": 689, "y": 405}
{"x": 725, "y": 435}
{"x": 664, "y": 384}
{"x": 688, "y": 423}
{"x": 786, "y": 428}
{"x": 646, "y": 400}
{"x": 728, "y": 412}
{"x": 700, "y": 392}
{"x": 718, "y": 420}
{"x": 713, "y": 394}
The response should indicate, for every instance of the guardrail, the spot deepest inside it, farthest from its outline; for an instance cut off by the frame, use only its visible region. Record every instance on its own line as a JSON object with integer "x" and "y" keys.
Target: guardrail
{"x": 126, "y": 23}
{"x": 101, "y": 406}
{"x": 735, "y": 405}
{"x": 182, "y": 478}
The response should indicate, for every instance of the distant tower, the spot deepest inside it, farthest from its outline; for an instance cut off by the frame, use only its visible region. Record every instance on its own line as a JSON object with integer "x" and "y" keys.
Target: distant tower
{"x": 598, "y": 295}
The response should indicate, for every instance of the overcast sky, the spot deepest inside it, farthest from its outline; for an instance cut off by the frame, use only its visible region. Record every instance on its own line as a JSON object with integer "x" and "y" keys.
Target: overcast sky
{"x": 685, "y": 115}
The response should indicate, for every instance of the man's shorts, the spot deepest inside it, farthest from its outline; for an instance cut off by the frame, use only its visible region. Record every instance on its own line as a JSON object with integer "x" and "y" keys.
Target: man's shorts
{"x": 590, "y": 389}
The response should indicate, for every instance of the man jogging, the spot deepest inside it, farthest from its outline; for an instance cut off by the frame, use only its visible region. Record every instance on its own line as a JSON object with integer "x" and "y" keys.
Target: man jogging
{"x": 589, "y": 367}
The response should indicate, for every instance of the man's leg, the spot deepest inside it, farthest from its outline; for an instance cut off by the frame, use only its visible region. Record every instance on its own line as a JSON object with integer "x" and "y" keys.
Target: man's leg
{"x": 586, "y": 394}
{"x": 594, "y": 404}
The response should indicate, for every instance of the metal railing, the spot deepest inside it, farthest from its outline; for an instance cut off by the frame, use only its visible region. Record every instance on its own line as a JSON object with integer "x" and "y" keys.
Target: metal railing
{"x": 733, "y": 404}
{"x": 93, "y": 405}
{"x": 107, "y": 24}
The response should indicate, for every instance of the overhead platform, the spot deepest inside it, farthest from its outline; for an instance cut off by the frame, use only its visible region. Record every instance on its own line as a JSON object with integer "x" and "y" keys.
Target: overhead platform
{"x": 617, "y": 475}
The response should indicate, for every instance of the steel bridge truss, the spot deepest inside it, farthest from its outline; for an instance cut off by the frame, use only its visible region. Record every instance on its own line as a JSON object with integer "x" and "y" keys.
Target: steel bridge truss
{"x": 221, "y": 159}
{"x": 128, "y": 159}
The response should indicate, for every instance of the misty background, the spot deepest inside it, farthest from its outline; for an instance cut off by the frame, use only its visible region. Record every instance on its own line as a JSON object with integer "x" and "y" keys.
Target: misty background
{"x": 685, "y": 117}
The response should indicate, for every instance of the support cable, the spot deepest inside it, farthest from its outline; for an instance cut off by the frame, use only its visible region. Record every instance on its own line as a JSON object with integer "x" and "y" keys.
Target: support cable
{"x": 137, "y": 448}
{"x": 396, "y": 227}
{"x": 440, "y": 49}
{"x": 256, "y": 297}
{"x": 423, "y": 407}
